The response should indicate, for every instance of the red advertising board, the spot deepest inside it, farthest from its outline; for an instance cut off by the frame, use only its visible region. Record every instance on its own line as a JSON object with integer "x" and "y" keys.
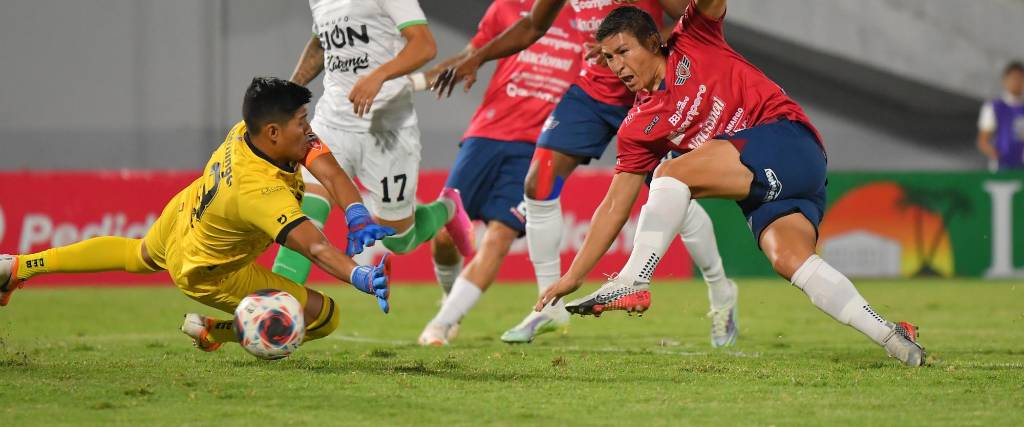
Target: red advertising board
{"x": 39, "y": 210}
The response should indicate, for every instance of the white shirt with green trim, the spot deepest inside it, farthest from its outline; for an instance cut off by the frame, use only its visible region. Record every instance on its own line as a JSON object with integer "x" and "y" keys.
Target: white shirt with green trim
{"x": 357, "y": 37}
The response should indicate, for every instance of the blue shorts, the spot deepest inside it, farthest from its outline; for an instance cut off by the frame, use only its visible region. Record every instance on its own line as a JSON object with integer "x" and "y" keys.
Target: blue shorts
{"x": 581, "y": 126}
{"x": 789, "y": 173}
{"x": 489, "y": 175}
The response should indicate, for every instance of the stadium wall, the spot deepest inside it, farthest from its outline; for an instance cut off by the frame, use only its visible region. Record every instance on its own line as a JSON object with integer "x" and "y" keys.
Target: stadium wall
{"x": 877, "y": 224}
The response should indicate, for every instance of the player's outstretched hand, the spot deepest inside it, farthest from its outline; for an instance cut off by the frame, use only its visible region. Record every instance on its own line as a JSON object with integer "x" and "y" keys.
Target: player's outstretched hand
{"x": 564, "y": 286}
{"x": 362, "y": 94}
{"x": 375, "y": 281}
{"x": 464, "y": 70}
{"x": 362, "y": 231}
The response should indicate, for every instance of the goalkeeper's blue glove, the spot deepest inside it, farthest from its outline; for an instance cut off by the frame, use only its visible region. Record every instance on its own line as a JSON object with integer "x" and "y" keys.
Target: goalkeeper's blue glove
{"x": 362, "y": 231}
{"x": 375, "y": 281}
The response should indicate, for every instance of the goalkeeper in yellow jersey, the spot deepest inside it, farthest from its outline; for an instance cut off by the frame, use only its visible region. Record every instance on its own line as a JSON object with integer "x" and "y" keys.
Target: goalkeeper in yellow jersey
{"x": 209, "y": 234}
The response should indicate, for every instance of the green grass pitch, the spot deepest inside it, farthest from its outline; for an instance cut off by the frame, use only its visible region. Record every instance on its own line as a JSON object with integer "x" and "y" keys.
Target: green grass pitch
{"x": 114, "y": 356}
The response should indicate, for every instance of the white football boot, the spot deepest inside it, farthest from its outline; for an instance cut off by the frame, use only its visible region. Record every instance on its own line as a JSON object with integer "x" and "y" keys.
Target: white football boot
{"x": 550, "y": 319}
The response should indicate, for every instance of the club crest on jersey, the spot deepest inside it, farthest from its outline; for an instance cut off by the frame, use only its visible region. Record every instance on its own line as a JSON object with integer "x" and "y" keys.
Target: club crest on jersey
{"x": 683, "y": 70}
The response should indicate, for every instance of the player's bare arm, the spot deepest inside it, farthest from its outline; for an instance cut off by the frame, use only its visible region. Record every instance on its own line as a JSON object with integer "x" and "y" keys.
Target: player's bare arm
{"x": 419, "y": 49}
{"x": 338, "y": 184}
{"x": 514, "y": 39}
{"x": 607, "y": 222}
{"x": 985, "y": 145}
{"x": 311, "y": 62}
{"x": 309, "y": 241}
{"x": 714, "y": 9}
{"x": 674, "y": 9}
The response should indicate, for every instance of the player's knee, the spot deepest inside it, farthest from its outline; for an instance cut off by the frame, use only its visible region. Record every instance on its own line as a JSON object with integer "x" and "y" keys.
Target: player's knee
{"x": 325, "y": 322}
{"x": 674, "y": 168}
{"x": 498, "y": 240}
{"x": 785, "y": 261}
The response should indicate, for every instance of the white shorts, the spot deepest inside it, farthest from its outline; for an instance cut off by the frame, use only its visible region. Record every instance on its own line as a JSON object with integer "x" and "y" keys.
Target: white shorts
{"x": 386, "y": 163}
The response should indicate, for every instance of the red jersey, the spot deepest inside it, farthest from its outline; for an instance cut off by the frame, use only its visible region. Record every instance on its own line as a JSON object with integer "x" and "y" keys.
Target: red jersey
{"x": 596, "y": 80}
{"x": 709, "y": 90}
{"x": 526, "y": 86}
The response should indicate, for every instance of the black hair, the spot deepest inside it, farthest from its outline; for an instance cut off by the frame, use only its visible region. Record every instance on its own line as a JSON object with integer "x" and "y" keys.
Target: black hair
{"x": 1014, "y": 66}
{"x": 628, "y": 19}
{"x": 272, "y": 100}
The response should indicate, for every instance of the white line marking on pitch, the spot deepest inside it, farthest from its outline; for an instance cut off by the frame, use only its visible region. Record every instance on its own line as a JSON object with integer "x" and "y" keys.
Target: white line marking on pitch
{"x": 369, "y": 340}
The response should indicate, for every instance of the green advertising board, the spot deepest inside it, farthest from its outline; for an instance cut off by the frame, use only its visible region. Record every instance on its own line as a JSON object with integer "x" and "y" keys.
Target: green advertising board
{"x": 902, "y": 224}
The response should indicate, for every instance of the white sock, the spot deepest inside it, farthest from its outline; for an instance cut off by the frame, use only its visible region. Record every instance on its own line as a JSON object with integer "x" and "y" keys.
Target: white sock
{"x": 446, "y": 275}
{"x": 544, "y": 239}
{"x": 661, "y": 218}
{"x": 834, "y": 294}
{"x": 462, "y": 298}
{"x": 698, "y": 234}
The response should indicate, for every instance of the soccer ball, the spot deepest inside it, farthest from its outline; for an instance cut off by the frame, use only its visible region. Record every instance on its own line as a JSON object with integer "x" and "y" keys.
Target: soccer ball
{"x": 269, "y": 324}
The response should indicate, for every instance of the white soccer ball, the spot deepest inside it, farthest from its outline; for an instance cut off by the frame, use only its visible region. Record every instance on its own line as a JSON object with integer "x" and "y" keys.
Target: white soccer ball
{"x": 270, "y": 324}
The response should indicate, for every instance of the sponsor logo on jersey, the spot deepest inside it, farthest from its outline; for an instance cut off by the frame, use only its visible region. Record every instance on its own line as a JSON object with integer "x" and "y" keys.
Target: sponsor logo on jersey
{"x": 226, "y": 172}
{"x": 683, "y": 71}
{"x": 514, "y": 91}
{"x": 544, "y": 60}
{"x": 650, "y": 126}
{"x": 274, "y": 189}
{"x": 586, "y": 25}
{"x": 282, "y": 219}
{"x": 346, "y": 64}
{"x": 578, "y": 5}
{"x": 343, "y": 35}
{"x": 774, "y": 186}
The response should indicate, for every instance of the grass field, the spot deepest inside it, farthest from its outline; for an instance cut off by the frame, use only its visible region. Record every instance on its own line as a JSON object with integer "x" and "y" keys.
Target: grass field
{"x": 114, "y": 356}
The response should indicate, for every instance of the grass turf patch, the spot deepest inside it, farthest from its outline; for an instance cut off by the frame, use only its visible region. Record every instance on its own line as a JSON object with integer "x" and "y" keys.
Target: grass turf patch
{"x": 114, "y": 356}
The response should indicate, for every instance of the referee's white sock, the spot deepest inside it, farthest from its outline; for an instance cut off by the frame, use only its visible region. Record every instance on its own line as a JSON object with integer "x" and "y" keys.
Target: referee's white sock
{"x": 833, "y": 293}
{"x": 661, "y": 219}
{"x": 461, "y": 299}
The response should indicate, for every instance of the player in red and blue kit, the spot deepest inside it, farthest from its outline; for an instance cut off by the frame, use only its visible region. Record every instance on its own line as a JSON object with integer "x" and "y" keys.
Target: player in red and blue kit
{"x": 494, "y": 157}
{"x": 579, "y": 130}
{"x": 743, "y": 139}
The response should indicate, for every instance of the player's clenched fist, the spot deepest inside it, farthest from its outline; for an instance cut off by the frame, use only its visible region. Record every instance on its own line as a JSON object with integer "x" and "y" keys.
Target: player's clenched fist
{"x": 362, "y": 94}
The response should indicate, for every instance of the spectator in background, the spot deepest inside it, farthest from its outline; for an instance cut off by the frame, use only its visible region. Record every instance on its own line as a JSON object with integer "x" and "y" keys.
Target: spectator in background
{"x": 1001, "y": 124}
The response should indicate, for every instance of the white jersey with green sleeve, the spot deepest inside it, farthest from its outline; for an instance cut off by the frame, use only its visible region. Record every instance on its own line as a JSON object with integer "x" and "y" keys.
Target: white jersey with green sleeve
{"x": 357, "y": 37}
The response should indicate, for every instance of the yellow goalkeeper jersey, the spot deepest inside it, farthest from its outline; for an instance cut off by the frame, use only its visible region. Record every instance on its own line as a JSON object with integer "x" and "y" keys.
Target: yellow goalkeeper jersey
{"x": 243, "y": 202}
